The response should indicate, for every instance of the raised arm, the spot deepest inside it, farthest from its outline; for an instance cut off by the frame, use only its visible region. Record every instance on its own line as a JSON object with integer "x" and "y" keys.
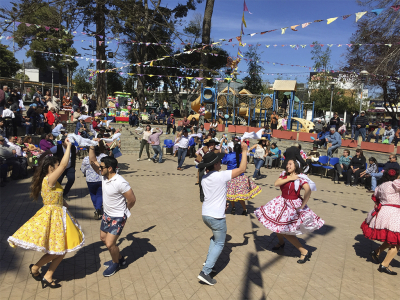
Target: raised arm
{"x": 243, "y": 164}
{"x": 53, "y": 177}
{"x": 92, "y": 159}
{"x": 281, "y": 181}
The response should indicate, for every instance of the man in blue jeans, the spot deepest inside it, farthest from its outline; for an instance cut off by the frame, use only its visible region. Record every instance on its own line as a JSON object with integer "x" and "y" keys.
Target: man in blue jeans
{"x": 183, "y": 144}
{"x": 391, "y": 164}
{"x": 154, "y": 141}
{"x": 361, "y": 123}
{"x": 214, "y": 187}
{"x": 335, "y": 139}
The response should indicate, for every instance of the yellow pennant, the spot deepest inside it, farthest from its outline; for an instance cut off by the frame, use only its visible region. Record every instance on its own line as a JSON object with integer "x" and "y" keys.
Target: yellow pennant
{"x": 244, "y": 21}
{"x": 330, "y": 20}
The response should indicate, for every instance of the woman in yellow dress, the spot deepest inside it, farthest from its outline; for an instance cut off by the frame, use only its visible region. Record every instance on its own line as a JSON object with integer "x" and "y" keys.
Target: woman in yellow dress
{"x": 52, "y": 229}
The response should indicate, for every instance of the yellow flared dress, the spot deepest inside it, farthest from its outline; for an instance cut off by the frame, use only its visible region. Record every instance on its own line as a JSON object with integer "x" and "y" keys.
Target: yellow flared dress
{"x": 52, "y": 229}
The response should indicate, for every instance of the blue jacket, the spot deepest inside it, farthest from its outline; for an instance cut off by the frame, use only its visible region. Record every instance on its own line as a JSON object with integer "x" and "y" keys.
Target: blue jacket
{"x": 322, "y": 135}
{"x": 170, "y": 121}
{"x": 335, "y": 139}
{"x": 191, "y": 142}
{"x": 161, "y": 115}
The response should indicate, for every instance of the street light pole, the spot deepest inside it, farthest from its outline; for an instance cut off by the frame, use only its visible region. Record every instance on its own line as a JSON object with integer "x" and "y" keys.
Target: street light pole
{"x": 52, "y": 80}
{"x": 364, "y": 74}
{"x": 332, "y": 85}
{"x": 67, "y": 62}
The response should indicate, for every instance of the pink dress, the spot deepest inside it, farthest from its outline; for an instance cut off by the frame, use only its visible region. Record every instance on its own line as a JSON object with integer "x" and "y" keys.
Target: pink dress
{"x": 280, "y": 215}
{"x": 383, "y": 223}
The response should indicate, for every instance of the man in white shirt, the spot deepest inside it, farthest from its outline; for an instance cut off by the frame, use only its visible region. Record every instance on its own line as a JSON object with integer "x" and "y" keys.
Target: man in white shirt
{"x": 214, "y": 186}
{"x": 183, "y": 144}
{"x": 118, "y": 199}
{"x": 202, "y": 112}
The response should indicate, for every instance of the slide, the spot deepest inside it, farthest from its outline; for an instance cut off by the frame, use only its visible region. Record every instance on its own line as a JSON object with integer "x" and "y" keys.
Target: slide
{"x": 196, "y": 106}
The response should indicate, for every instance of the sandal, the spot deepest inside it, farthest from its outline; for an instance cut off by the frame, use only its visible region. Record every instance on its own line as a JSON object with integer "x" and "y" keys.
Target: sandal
{"x": 37, "y": 276}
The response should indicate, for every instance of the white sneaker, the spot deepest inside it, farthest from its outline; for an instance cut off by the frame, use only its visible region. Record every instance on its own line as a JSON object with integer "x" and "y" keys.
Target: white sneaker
{"x": 149, "y": 159}
{"x": 138, "y": 159}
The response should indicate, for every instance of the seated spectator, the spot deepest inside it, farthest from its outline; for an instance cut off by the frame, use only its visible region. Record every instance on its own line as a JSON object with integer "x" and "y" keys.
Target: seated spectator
{"x": 335, "y": 139}
{"x": 201, "y": 129}
{"x": 25, "y": 122}
{"x": 185, "y": 123}
{"x": 388, "y": 135}
{"x": 7, "y": 154}
{"x": 193, "y": 124}
{"x": 50, "y": 119}
{"x": 357, "y": 165}
{"x": 81, "y": 129}
{"x": 373, "y": 168}
{"x": 397, "y": 136}
{"x": 57, "y": 130}
{"x": 161, "y": 117}
{"x": 344, "y": 164}
{"x": 391, "y": 164}
{"x": 20, "y": 155}
{"x": 40, "y": 120}
{"x": 45, "y": 143}
{"x": 267, "y": 132}
{"x": 132, "y": 119}
{"x": 342, "y": 130}
{"x": 214, "y": 124}
{"x": 153, "y": 117}
{"x": 66, "y": 102}
{"x": 76, "y": 114}
{"x": 321, "y": 137}
{"x": 377, "y": 133}
{"x": 313, "y": 155}
{"x": 273, "y": 154}
{"x": 35, "y": 151}
{"x": 318, "y": 126}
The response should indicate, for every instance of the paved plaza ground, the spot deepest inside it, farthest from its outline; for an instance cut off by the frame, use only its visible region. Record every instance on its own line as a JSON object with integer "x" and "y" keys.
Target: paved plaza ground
{"x": 165, "y": 243}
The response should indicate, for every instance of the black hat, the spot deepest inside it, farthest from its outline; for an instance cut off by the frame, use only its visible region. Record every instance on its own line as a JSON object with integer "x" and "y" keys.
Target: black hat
{"x": 210, "y": 141}
{"x": 210, "y": 159}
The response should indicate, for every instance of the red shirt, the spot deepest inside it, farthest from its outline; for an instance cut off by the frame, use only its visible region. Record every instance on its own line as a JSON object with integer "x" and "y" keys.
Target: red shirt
{"x": 94, "y": 125}
{"x": 50, "y": 118}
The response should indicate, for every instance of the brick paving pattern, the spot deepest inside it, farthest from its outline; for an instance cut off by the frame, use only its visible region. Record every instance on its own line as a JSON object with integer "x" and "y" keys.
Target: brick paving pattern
{"x": 165, "y": 244}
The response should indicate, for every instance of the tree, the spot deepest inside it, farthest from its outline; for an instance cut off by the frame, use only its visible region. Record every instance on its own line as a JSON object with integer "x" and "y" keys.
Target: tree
{"x": 206, "y": 35}
{"x": 43, "y": 39}
{"x": 194, "y": 29}
{"x": 115, "y": 82}
{"x": 8, "y": 63}
{"x": 22, "y": 76}
{"x": 253, "y": 81}
{"x": 81, "y": 80}
{"x": 381, "y": 57}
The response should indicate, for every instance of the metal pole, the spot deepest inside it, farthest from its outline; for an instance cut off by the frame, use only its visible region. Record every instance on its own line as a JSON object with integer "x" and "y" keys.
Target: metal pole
{"x": 52, "y": 83}
{"x": 67, "y": 79}
{"x": 330, "y": 109}
{"x": 261, "y": 101}
{"x": 312, "y": 115}
{"x": 234, "y": 100}
{"x": 361, "y": 99}
{"x": 42, "y": 87}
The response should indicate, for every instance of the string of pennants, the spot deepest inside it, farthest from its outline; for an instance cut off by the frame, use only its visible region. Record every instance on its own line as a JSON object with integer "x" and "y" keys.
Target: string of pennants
{"x": 358, "y": 16}
{"x": 151, "y": 64}
{"x": 293, "y": 46}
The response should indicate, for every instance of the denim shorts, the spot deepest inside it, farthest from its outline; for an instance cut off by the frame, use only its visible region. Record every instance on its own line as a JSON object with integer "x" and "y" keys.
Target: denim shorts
{"x": 113, "y": 225}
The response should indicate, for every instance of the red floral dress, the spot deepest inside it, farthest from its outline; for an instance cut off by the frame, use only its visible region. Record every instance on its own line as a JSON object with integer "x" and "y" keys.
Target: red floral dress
{"x": 280, "y": 215}
{"x": 383, "y": 223}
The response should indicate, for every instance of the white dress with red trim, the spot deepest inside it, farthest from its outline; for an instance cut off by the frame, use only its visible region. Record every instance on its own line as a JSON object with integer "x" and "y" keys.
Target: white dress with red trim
{"x": 280, "y": 215}
{"x": 383, "y": 223}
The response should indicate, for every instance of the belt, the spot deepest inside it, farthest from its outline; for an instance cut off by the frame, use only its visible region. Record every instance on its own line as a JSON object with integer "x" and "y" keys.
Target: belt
{"x": 379, "y": 206}
{"x": 182, "y": 148}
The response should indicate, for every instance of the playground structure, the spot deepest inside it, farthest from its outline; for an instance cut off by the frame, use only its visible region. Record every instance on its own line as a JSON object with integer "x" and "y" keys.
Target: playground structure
{"x": 245, "y": 108}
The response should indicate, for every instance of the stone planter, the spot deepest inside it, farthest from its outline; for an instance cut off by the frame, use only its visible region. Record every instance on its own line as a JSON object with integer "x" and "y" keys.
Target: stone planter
{"x": 242, "y": 129}
{"x": 285, "y": 135}
{"x": 387, "y": 148}
{"x": 306, "y": 137}
{"x": 232, "y": 128}
{"x": 349, "y": 143}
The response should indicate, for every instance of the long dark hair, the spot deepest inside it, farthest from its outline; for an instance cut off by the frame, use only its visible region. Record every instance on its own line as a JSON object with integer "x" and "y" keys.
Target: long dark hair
{"x": 389, "y": 175}
{"x": 238, "y": 150}
{"x": 297, "y": 168}
{"x": 40, "y": 173}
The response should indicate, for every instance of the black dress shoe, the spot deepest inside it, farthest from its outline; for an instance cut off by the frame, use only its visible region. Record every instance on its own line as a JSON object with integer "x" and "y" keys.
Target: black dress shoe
{"x": 374, "y": 257}
{"x": 37, "y": 276}
{"x": 386, "y": 270}
{"x": 233, "y": 211}
{"x": 306, "y": 257}
{"x": 279, "y": 246}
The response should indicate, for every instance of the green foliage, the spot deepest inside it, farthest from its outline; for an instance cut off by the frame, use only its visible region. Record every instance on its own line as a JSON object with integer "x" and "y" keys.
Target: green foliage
{"x": 321, "y": 58}
{"x": 8, "y": 63}
{"x": 253, "y": 81}
{"x": 81, "y": 81}
{"x": 22, "y": 76}
{"x": 115, "y": 82}
{"x": 40, "y": 39}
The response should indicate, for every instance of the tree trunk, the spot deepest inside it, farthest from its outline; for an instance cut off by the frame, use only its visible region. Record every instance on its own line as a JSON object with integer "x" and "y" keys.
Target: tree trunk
{"x": 140, "y": 89}
{"x": 205, "y": 39}
{"x": 101, "y": 55}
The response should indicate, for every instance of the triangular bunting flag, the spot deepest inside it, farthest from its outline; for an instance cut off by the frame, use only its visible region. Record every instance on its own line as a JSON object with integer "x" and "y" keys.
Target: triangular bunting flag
{"x": 346, "y": 16}
{"x": 304, "y": 25}
{"x": 245, "y": 7}
{"x": 396, "y": 7}
{"x": 359, "y": 15}
{"x": 284, "y": 30}
{"x": 317, "y": 21}
{"x": 244, "y": 21}
{"x": 294, "y": 27}
{"x": 330, "y": 20}
{"x": 377, "y": 11}
{"x": 264, "y": 32}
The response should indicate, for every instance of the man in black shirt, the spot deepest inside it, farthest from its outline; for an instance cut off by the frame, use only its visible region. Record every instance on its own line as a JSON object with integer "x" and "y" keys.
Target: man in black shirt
{"x": 361, "y": 123}
{"x": 75, "y": 101}
{"x": 391, "y": 164}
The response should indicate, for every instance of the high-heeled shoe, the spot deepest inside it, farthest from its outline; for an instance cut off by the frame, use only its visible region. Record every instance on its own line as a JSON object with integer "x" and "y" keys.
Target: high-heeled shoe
{"x": 306, "y": 257}
{"x": 37, "y": 276}
{"x": 278, "y": 247}
{"x": 386, "y": 270}
{"x": 45, "y": 284}
{"x": 244, "y": 213}
{"x": 375, "y": 257}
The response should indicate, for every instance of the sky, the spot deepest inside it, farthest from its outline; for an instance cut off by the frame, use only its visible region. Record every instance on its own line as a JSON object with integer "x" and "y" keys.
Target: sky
{"x": 269, "y": 15}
